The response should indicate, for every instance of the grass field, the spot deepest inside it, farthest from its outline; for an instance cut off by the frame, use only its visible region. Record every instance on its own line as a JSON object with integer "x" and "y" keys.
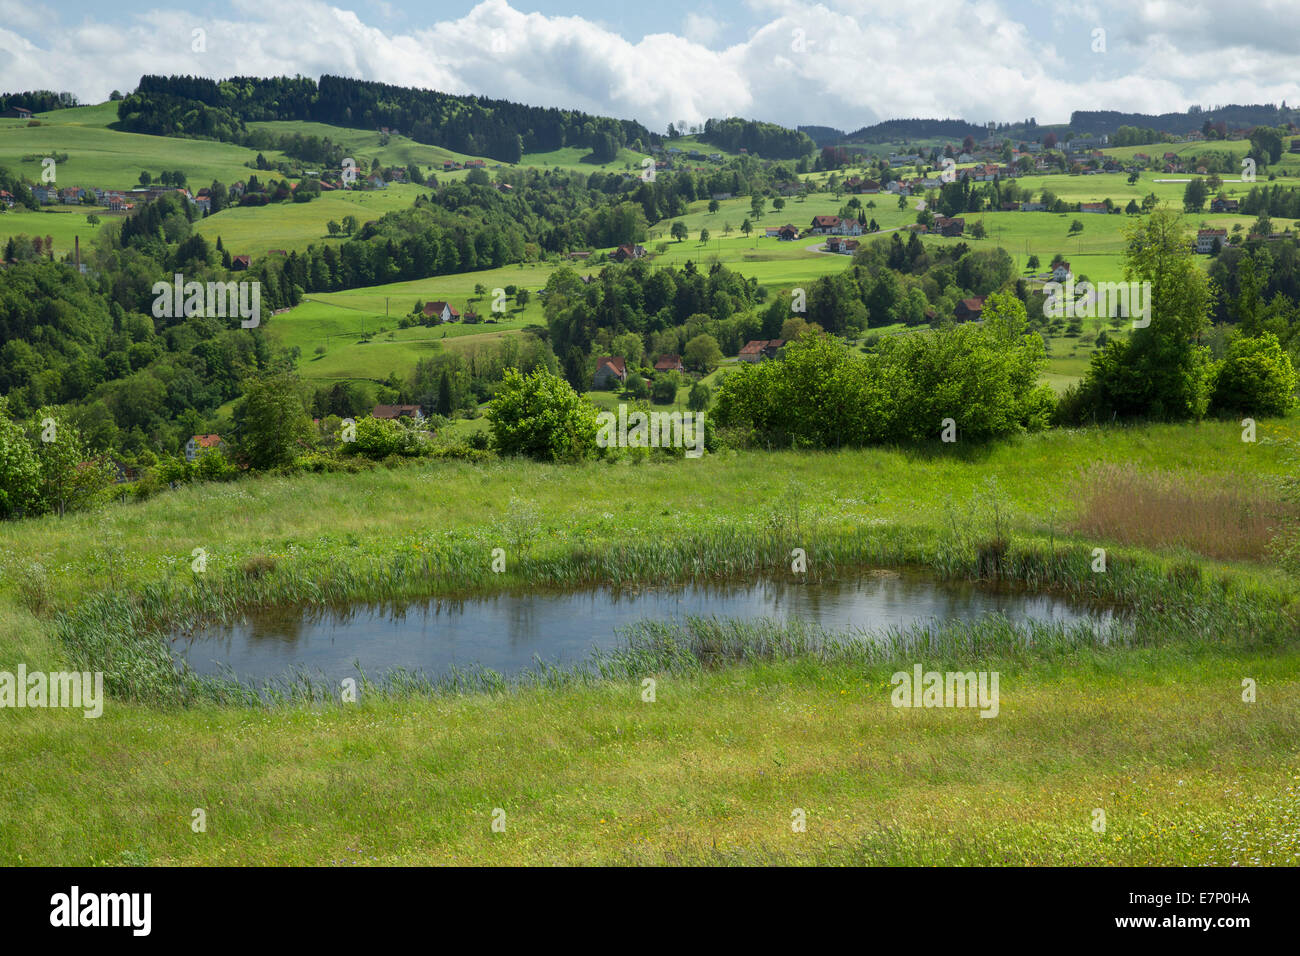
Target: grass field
{"x": 1155, "y": 735}
{"x": 255, "y": 230}
{"x": 368, "y": 145}
{"x": 98, "y": 156}
{"x": 63, "y": 223}
{"x": 337, "y": 321}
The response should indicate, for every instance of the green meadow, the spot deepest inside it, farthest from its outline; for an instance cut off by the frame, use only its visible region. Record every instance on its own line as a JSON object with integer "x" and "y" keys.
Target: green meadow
{"x": 338, "y": 321}
{"x": 63, "y": 223}
{"x": 255, "y": 230}
{"x": 369, "y": 145}
{"x": 1154, "y": 730}
{"x": 573, "y": 159}
{"x": 98, "y": 156}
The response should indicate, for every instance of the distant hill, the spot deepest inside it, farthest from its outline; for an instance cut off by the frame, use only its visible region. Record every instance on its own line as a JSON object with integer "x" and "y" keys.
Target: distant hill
{"x": 474, "y": 125}
{"x": 823, "y": 135}
{"x": 897, "y": 130}
{"x": 1091, "y": 122}
{"x": 1099, "y": 122}
{"x": 38, "y": 101}
{"x": 761, "y": 139}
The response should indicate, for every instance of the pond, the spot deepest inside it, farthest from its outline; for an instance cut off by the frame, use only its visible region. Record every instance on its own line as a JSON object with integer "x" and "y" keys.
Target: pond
{"x": 506, "y": 631}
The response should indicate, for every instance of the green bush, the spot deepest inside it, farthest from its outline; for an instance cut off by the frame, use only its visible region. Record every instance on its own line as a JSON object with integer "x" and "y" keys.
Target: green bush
{"x": 20, "y": 473}
{"x": 636, "y": 387}
{"x": 823, "y": 395}
{"x": 539, "y": 415}
{"x": 379, "y": 438}
{"x": 1256, "y": 376}
{"x": 664, "y": 389}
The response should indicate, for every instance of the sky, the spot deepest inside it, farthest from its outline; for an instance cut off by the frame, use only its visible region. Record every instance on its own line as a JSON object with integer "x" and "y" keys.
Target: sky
{"x": 840, "y": 63}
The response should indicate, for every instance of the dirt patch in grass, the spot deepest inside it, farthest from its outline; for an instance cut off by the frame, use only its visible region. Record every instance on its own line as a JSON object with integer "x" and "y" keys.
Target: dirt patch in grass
{"x": 1210, "y": 515}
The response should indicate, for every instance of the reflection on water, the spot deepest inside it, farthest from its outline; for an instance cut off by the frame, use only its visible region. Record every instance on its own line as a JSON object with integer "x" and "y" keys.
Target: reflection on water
{"x": 506, "y": 632}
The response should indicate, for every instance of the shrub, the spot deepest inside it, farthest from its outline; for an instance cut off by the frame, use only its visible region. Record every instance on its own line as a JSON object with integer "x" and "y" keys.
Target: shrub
{"x": 540, "y": 415}
{"x": 20, "y": 473}
{"x": 664, "y": 389}
{"x": 822, "y": 395}
{"x": 1256, "y": 376}
{"x": 377, "y": 438}
{"x": 636, "y": 387}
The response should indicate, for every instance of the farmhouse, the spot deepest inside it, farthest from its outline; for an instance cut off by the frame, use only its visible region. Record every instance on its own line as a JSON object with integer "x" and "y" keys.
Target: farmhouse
{"x": 626, "y": 252}
{"x": 1033, "y": 207}
{"x": 1092, "y": 207}
{"x": 760, "y": 349}
{"x": 982, "y": 173}
{"x": 1225, "y": 205}
{"x": 835, "y": 226}
{"x": 239, "y": 263}
{"x": 394, "y": 412}
{"x": 17, "y": 112}
{"x": 787, "y": 233}
{"x": 856, "y": 185}
{"x": 609, "y": 369}
{"x": 442, "y": 311}
{"x": 1206, "y": 238}
{"x": 1061, "y": 272}
{"x": 945, "y": 226}
{"x": 969, "y": 309}
{"x": 198, "y": 444}
{"x": 670, "y": 363}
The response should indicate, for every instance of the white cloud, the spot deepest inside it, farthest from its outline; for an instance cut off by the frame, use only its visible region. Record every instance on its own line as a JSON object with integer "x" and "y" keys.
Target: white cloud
{"x": 845, "y": 63}
{"x": 701, "y": 28}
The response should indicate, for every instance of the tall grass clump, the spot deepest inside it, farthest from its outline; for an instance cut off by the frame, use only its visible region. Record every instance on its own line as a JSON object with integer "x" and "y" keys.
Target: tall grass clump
{"x": 1163, "y": 509}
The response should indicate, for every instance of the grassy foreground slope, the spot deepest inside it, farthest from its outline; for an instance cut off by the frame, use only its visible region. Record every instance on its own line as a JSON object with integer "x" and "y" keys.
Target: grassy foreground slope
{"x": 1157, "y": 736}
{"x": 710, "y": 772}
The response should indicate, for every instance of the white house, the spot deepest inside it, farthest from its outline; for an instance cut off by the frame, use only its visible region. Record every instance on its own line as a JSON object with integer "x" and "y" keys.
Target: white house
{"x": 1205, "y": 239}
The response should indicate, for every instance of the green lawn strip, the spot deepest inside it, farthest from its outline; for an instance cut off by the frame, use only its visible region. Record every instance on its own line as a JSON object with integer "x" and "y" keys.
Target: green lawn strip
{"x": 712, "y": 771}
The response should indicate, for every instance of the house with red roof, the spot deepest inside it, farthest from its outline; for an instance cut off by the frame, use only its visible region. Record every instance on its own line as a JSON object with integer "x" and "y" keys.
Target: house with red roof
{"x": 442, "y": 311}
{"x": 198, "y": 444}
{"x": 627, "y": 251}
{"x": 759, "y": 349}
{"x": 609, "y": 369}
{"x": 968, "y": 310}
{"x": 1206, "y": 238}
{"x": 394, "y": 412}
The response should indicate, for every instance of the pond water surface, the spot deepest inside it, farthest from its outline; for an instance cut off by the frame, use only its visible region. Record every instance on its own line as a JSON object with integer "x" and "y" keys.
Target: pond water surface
{"x": 505, "y": 632}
